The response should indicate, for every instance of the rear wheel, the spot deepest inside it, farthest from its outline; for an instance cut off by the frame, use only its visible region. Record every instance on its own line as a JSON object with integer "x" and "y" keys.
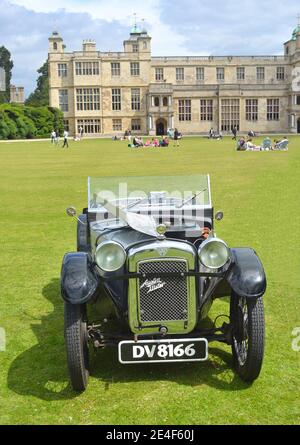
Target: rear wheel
{"x": 248, "y": 335}
{"x": 76, "y": 338}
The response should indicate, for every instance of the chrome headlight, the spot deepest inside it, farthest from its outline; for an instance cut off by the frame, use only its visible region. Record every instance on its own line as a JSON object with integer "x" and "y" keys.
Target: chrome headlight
{"x": 213, "y": 253}
{"x": 110, "y": 256}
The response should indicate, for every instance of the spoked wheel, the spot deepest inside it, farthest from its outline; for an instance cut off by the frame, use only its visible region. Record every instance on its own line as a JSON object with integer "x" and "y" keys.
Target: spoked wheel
{"x": 247, "y": 319}
{"x": 76, "y": 338}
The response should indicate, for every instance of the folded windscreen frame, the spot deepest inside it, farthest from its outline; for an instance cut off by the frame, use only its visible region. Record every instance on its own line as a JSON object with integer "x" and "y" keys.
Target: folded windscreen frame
{"x": 181, "y": 203}
{"x": 2, "y": 79}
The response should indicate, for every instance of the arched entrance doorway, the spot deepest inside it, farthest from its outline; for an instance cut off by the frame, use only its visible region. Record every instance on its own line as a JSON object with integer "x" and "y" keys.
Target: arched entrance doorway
{"x": 161, "y": 127}
{"x": 298, "y": 125}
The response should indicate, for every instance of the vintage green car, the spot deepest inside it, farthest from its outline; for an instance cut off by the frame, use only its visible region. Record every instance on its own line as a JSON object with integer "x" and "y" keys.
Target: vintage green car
{"x": 147, "y": 270}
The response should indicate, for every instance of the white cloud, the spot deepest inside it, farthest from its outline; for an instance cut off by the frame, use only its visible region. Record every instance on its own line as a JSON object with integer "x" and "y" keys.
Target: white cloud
{"x": 189, "y": 27}
{"x": 101, "y": 9}
{"x": 165, "y": 40}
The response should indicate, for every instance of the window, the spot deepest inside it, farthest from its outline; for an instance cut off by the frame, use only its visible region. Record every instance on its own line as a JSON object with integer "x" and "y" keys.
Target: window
{"x": 145, "y": 46}
{"x": 63, "y": 100}
{"x": 206, "y": 110}
{"x": 280, "y": 73}
{"x": 55, "y": 46}
{"x": 136, "y": 125}
{"x": 66, "y": 125}
{"x": 117, "y": 124}
{"x": 297, "y": 100}
{"x": 240, "y": 73}
{"x": 220, "y": 73}
{"x": 230, "y": 114}
{"x": 88, "y": 99}
{"x": 135, "y": 99}
{"x": 62, "y": 70}
{"x": 185, "y": 113}
{"x": 116, "y": 99}
{"x": 251, "y": 110}
{"x": 200, "y": 73}
{"x": 156, "y": 101}
{"x": 135, "y": 68}
{"x": 115, "y": 69}
{"x": 287, "y": 50}
{"x": 260, "y": 73}
{"x": 273, "y": 109}
{"x": 165, "y": 102}
{"x": 87, "y": 68}
{"x": 159, "y": 74}
{"x": 90, "y": 126}
{"x": 135, "y": 47}
{"x": 179, "y": 74}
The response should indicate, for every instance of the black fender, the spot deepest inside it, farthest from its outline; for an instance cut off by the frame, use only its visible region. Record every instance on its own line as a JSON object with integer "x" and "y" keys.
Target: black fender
{"x": 246, "y": 276}
{"x": 79, "y": 283}
{"x": 83, "y": 236}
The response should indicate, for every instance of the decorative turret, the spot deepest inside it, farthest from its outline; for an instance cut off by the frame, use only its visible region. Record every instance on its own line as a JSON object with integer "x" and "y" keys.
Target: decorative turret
{"x": 89, "y": 45}
{"x": 135, "y": 30}
{"x": 295, "y": 32}
{"x": 56, "y": 43}
{"x": 298, "y": 39}
{"x": 139, "y": 40}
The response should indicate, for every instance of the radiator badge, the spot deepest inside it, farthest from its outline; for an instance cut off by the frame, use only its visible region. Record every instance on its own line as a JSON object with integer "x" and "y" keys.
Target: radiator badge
{"x": 162, "y": 251}
{"x": 153, "y": 285}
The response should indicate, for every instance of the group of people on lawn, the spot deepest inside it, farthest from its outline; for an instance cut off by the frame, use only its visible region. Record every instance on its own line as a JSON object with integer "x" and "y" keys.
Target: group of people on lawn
{"x": 138, "y": 142}
{"x": 164, "y": 141}
{"x": 246, "y": 144}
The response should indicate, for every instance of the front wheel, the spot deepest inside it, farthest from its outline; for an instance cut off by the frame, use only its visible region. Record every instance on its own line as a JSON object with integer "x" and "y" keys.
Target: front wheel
{"x": 248, "y": 335}
{"x": 76, "y": 338}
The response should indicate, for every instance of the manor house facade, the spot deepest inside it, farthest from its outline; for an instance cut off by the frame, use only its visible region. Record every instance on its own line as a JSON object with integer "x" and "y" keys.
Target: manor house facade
{"x": 110, "y": 92}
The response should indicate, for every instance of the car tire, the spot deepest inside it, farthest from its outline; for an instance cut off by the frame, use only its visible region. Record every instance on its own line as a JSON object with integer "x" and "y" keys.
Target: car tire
{"x": 76, "y": 339}
{"x": 248, "y": 335}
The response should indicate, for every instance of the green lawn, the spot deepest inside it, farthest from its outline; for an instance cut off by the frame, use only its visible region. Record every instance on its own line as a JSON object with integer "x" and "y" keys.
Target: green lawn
{"x": 259, "y": 194}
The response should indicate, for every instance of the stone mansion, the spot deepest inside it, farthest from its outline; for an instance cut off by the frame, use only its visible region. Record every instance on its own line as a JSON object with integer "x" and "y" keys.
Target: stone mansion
{"x": 110, "y": 92}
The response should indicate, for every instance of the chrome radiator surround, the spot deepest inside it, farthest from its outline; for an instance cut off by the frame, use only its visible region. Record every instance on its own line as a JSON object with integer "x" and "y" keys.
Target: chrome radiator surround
{"x": 167, "y": 301}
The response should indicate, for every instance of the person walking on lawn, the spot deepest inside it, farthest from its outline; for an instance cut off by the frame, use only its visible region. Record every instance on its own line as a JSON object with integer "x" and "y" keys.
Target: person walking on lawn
{"x": 176, "y": 138}
{"x": 66, "y": 143}
{"x": 234, "y": 132}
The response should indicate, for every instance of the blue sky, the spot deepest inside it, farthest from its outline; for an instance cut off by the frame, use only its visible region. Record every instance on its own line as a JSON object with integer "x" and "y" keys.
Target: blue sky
{"x": 190, "y": 27}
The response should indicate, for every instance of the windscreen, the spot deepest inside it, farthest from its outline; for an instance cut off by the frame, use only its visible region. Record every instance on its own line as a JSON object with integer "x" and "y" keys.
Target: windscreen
{"x": 146, "y": 202}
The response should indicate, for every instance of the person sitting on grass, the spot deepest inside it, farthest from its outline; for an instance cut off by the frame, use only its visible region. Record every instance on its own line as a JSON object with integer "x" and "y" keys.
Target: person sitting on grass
{"x": 148, "y": 143}
{"x": 241, "y": 144}
{"x": 164, "y": 142}
{"x": 252, "y": 147}
{"x": 281, "y": 144}
{"x": 137, "y": 142}
{"x": 266, "y": 144}
{"x": 155, "y": 142}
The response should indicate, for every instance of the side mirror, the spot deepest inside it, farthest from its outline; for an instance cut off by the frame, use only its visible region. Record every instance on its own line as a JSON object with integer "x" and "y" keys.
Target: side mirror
{"x": 219, "y": 216}
{"x": 71, "y": 211}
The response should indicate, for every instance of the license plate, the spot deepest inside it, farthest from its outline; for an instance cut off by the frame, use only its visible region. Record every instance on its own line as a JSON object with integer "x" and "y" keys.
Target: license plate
{"x": 153, "y": 351}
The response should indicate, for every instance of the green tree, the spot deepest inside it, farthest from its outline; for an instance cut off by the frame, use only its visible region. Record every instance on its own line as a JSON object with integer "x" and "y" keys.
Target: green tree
{"x": 40, "y": 96}
{"x": 20, "y": 122}
{"x": 7, "y": 64}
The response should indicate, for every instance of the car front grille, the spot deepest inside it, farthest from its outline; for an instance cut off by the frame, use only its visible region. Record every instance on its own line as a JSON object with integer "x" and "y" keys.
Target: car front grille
{"x": 163, "y": 298}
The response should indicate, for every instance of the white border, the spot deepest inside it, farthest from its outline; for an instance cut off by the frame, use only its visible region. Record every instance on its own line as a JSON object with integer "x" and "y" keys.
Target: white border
{"x": 189, "y": 340}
